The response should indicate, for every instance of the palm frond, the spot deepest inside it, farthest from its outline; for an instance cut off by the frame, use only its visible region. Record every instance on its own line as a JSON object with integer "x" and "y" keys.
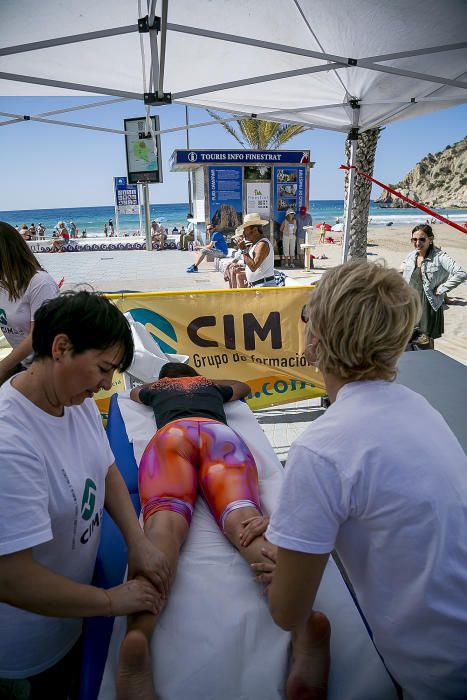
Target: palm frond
{"x": 227, "y": 126}
{"x": 287, "y": 132}
{"x": 260, "y": 134}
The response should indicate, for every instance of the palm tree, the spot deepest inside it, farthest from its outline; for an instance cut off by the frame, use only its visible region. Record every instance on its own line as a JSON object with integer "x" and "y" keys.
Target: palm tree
{"x": 260, "y": 134}
{"x": 366, "y": 149}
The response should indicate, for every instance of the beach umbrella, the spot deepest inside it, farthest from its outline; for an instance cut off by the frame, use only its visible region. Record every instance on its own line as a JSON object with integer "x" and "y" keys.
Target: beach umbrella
{"x": 338, "y": 228}
{"x": 326, "y": 226}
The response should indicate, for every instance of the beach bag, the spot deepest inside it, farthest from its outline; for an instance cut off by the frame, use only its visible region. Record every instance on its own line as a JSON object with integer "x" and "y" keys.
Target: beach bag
{"x": 279, "y": 278}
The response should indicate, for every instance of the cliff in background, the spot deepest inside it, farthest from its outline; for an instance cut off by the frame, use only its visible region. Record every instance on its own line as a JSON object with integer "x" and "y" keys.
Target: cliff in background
{"x": 439, "y": 180}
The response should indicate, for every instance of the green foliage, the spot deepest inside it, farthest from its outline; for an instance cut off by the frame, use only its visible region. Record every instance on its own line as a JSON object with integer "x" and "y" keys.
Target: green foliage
{"x": 260, "y": 134}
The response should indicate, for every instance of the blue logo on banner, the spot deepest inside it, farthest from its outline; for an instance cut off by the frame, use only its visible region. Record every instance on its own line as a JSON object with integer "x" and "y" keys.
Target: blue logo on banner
{"x": 146, "y": 316}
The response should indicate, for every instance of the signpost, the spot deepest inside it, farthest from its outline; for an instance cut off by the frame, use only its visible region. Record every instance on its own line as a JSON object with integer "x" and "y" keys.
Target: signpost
{"x": 143, "y": 159}
{"x": 126, "y": 199}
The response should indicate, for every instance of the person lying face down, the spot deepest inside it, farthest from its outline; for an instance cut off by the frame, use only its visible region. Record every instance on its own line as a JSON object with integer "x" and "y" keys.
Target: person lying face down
{"x": 195, "y": 448}
{"x": 192, "y": 448}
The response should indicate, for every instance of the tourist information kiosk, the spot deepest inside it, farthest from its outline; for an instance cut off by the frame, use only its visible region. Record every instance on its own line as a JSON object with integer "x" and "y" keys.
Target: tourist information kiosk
{"x": 229, "y": 184}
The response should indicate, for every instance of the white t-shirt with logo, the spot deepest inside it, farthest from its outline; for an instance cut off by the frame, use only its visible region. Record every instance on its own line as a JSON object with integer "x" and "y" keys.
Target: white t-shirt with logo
{"x": 52, "y": 487}
{"x": 381, "y": 477}
{"x": 16, "y": 315}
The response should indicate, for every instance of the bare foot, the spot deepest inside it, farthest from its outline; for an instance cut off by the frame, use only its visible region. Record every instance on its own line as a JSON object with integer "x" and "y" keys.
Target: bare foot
{"x": 310, "y": 660}
{"x": 134, "y": 675}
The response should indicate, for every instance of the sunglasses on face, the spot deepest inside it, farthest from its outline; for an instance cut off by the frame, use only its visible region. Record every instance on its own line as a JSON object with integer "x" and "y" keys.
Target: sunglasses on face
{"x": 419, "y": 240}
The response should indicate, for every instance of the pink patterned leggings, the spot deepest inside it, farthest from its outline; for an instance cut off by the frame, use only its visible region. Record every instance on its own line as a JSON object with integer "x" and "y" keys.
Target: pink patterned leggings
{"x": 189, "y": 452}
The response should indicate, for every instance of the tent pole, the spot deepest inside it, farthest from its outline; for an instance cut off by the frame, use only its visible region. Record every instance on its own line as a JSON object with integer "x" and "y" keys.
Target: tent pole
{"x": 190, "y": 197}
{"x": 69, "y": 86}
{"x": 349, "y": 199}
{"x": 160, "y": 86}
{"x": 147, "y": 215}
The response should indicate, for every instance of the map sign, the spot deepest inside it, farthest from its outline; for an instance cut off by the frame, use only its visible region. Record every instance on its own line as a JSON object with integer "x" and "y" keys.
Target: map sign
{"x": 143, "y": 157}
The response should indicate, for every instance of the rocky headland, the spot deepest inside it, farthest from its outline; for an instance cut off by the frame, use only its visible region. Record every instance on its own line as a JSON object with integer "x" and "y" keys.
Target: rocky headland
{"x": 438, "y": 180}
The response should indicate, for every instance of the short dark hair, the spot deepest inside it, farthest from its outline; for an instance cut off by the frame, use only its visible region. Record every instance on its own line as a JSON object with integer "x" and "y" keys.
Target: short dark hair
{"x": 177, "y": 369}
{"x": 90, "y": 321}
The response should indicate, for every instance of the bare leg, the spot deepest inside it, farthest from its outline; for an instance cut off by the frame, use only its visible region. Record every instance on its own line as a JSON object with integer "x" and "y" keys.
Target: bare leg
{"x": 308, "y": 677}
{"x": 167, "y": 530}
{"x": 200, "y": 259}
{"x": 311, "y": 654}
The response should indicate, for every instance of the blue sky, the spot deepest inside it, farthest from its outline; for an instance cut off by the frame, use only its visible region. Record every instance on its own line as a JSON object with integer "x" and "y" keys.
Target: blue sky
{"x": 49, "y": 166}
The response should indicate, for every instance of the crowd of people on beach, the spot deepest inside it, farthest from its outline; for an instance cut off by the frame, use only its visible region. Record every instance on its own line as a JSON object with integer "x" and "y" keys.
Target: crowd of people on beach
{"x": 362, "y": 479}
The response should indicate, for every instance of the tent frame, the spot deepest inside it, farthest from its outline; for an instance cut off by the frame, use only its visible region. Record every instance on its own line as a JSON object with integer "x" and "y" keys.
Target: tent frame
{"x": 155, "y": 95}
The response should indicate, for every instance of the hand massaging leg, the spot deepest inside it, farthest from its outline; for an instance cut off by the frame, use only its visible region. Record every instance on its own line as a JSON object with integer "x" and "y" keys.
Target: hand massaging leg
{"x": 227, "y": 473}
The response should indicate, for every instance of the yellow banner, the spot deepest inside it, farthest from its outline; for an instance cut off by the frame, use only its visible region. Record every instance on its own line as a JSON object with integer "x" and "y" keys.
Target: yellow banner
{"x": 254, "y": 335}
{"x": 102, "y": 398}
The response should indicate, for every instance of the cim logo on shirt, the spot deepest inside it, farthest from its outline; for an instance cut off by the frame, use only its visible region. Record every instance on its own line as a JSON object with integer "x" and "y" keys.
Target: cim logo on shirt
{"x": 88, "y": 505}
{"x": 89, "y": 499}
{"x": 3, "y": 318}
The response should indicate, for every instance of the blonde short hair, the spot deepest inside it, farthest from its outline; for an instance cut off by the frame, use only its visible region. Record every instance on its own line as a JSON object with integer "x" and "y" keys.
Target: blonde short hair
{"x": 363, "y": 315}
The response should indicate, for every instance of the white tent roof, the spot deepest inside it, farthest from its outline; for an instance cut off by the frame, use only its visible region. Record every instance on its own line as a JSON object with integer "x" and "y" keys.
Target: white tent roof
{"x": 299, "y": 61}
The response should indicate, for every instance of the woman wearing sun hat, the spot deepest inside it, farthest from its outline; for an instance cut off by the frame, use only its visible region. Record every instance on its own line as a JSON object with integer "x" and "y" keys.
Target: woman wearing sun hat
{"x": 289, "y": 237}
{"x": 259, "y": 258}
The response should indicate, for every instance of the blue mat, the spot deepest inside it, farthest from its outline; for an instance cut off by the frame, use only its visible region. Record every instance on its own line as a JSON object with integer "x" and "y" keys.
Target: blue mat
{"x": 111, "y": 561}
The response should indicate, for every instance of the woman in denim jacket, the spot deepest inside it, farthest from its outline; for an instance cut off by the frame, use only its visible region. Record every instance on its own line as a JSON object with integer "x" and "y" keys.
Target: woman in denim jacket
{"x": 433, "y": 273}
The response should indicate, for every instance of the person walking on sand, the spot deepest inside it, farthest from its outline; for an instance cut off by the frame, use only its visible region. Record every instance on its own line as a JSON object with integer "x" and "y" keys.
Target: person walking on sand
{"x": 105, "y": 230}
{"x": 381, "y": 478}
{"x": 432, "y": 273}
{"x": 111, "y": 229}
{"x": 322, "y": 233}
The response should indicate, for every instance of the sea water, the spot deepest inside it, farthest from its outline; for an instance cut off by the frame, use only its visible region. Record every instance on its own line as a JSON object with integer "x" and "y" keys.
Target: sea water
{"x": 92, "y": 219}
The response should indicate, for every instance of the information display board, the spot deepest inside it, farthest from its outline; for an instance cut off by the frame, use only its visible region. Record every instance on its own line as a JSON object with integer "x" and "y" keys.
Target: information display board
{"x": 143, "y": 153}
{"x": 225, "y": 197}
{"x": 126, "y": 196}
{"x": 258, "y": 199}
{"x": 289, "y": 191}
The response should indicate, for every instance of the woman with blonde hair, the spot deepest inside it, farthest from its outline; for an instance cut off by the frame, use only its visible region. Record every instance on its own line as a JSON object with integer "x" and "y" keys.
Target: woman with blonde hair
{"x": 381, "y": 478}
{"x": 24, "y": 287}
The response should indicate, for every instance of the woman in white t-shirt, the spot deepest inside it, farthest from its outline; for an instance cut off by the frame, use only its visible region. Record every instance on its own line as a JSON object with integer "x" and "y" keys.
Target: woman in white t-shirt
{"x": 289, "y": 237}
{"x": 58, "y": 473}
{"x": 24, "y": 286}
{"x": 381, "y": 478}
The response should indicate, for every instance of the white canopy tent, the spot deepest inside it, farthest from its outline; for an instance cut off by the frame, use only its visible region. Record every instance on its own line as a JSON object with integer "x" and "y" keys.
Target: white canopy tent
{"x": 330, "y": 64}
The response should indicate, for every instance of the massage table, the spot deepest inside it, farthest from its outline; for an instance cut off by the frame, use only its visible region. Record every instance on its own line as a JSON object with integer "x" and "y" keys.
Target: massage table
{"x": 216, "y": 639}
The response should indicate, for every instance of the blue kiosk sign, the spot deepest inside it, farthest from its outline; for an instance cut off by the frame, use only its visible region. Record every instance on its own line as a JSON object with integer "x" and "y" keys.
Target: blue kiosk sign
{"x": 192, "y": 158}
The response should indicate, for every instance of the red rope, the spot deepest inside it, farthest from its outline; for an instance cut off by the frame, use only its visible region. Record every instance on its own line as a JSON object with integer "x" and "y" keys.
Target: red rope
{"x": 417, "y": 205}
